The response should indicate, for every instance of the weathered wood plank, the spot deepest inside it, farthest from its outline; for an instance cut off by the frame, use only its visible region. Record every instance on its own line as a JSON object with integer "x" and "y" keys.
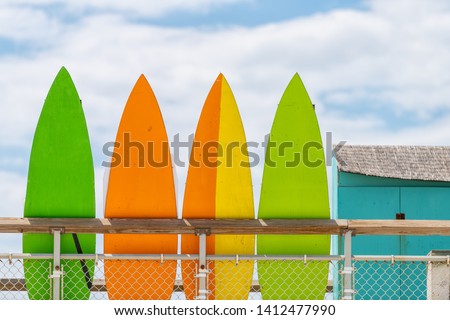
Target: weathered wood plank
{"x": 400, "y": 227}
{"x": 226, "y": 226}
{"x": 171, "y": 226}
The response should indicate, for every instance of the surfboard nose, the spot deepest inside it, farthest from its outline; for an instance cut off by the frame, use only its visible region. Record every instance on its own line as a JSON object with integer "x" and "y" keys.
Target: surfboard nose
{"x": 294, "y": 92}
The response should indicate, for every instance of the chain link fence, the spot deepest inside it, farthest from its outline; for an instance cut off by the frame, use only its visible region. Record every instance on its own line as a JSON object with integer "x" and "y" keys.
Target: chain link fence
{"x": 180, "y": 277}
{"x": 390, "y": 280}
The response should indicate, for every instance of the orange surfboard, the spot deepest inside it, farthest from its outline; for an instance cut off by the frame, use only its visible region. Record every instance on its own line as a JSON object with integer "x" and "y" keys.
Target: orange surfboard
{"x": 219, "y": 186}
{"x": 141, "y": 185}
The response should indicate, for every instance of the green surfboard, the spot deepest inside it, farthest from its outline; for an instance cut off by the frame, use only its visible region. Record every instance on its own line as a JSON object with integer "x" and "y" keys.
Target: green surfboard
{"x": 294, "y": 187}
{"x": 60, "y": 185}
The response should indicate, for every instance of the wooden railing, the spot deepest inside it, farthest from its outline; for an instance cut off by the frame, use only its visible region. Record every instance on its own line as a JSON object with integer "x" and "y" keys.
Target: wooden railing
{"x": 226, "y": 226}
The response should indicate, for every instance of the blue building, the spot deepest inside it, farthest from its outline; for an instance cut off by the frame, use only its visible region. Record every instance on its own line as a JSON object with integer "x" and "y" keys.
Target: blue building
{"x": 392, "y": 182}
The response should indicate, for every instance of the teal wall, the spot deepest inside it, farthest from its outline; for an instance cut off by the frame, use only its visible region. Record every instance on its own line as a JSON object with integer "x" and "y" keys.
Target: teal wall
{"x": 365, "y": 197}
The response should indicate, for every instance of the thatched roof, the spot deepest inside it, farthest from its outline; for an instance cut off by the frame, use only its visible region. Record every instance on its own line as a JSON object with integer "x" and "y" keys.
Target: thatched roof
{"x": 402, "y": 162}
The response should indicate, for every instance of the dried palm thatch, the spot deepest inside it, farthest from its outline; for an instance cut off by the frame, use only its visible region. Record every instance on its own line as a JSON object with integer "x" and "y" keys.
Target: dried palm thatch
{"x": 402, "y": 162}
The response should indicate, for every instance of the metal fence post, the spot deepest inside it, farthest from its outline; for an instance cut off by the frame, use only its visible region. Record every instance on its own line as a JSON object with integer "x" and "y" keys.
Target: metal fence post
{"x": 56, "y": 275}
{"x": 202, "y": 272}
{"x": 348, "y": 267}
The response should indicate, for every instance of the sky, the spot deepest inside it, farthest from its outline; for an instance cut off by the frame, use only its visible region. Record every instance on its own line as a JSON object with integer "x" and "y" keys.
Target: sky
{"x": 377, "y": 70}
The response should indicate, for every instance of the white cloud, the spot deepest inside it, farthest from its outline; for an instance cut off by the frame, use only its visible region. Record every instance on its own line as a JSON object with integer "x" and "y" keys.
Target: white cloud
{"x": 12, "y": 198}
{"x": 12, "y": 191}
{"x": 27, "y": 24}
{"x": 12, "y": 161}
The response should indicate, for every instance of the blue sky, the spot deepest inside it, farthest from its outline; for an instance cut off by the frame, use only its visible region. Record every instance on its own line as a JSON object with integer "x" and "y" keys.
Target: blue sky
{"x": 222, "y": 13}
{"x": 377, "y": 70}
{"x": 252, "y": 13}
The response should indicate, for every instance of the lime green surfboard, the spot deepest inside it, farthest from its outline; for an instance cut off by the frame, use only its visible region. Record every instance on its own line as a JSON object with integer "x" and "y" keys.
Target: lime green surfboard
{"x": 60, "y": 185}
{"x": 294, "y": 187}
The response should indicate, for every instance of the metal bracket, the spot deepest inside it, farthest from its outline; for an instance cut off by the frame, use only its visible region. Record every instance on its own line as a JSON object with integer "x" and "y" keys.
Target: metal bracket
{"x": 348, "y": 292}
{"x": 345, "y": 231}
{"x": 202, "y": 273}
{"x": 61, "y": 230}
{"x": 347, "y": 270}
{"x": 202, "y": 294}
{"x": 200, "y": 231}
{"x": 56, "y": 274}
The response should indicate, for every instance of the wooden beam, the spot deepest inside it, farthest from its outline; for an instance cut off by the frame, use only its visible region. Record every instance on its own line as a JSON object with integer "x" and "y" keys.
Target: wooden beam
{"x": 172, "y": 226}
{"x": 226, "y": 226}
{"x": 400, "y": 227}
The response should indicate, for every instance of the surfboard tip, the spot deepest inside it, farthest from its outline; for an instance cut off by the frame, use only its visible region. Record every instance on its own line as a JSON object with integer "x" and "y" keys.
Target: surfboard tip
{"x": 142, "y": 77}
{"x": 63, "y": 78}
{"x": 142, "y": 84}
{"x": 63, "y": 72}
{"x": 296, "y": 78}
{"x": 295, "y": 84}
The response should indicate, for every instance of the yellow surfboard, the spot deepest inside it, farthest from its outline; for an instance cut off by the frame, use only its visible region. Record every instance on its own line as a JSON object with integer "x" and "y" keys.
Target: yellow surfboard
{"x": 219, "y": 186}
{"x": 141, "y": 185}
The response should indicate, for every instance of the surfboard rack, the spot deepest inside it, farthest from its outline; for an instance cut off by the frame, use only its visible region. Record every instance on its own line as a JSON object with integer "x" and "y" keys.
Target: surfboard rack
{"x": 205, "y": 227}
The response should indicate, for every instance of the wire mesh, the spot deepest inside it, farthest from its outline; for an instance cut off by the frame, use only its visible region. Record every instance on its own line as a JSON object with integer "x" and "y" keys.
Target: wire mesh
{"x": 387, "y": 280}
{"x": 254, "y": 278}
